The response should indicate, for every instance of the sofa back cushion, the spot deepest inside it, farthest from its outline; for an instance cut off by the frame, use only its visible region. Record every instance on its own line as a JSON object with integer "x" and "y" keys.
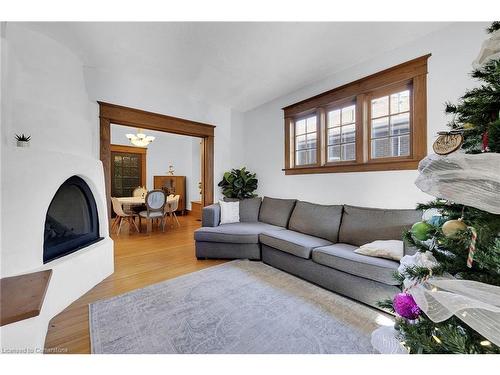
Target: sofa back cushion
{"x": 316, "y": 220}
{"x": 276, "y": 211}
{"x": 249, "y": 209}
{"x": 361, "y": 225}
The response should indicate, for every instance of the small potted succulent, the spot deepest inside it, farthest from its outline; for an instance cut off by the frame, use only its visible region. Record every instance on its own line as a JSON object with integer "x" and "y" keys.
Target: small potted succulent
{"x": 23, "y": 140}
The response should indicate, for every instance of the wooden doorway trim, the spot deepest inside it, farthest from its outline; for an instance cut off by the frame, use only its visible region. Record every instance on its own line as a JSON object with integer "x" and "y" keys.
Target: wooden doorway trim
{"x": 120, "y": 115}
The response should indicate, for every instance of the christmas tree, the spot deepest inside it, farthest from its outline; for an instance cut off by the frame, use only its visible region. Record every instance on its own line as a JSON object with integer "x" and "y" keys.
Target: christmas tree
{"x": 451, "y": 287}
{"x": 476, "y": 114}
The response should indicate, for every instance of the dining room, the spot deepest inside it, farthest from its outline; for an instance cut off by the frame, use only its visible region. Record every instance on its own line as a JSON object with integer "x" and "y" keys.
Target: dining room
{"x": 155, "y": 179}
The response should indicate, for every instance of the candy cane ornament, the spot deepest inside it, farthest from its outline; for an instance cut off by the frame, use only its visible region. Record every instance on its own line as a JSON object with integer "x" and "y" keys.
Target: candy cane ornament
{"x": 472, "y": 247}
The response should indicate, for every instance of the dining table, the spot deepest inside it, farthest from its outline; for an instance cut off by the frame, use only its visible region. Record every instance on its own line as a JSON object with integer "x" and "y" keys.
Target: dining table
{"x": 132, "y": 201}
{"x": 139, "y": 201}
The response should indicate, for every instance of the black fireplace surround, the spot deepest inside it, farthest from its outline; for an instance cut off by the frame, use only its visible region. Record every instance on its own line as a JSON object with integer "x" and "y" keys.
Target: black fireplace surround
{"x": 72, "y": 221}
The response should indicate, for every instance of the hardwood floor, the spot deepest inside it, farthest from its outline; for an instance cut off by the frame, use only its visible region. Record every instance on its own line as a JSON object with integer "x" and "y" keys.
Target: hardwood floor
{"x": 140, "y": 260}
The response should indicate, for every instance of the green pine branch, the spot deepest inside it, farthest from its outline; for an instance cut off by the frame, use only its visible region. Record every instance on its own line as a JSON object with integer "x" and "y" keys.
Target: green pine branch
{"x": 495, "y": 25}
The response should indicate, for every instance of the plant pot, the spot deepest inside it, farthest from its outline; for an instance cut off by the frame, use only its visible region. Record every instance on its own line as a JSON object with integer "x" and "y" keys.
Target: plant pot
{"x": 23, "y": 144}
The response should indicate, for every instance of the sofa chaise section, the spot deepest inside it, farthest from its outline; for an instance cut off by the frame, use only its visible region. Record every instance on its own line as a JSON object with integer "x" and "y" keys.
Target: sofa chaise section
{"x": 236, "y": 240}
{"x": 231, "y": 241}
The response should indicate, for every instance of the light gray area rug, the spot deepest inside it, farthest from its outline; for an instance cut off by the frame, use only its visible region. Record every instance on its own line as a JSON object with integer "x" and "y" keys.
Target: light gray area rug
{"x": 236, "y": 307}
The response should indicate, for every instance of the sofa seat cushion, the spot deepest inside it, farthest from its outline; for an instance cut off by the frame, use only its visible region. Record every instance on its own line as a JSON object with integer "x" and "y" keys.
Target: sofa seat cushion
{"x": 234, "y": 232}
{"x": 295, "y": 243}
{"x": 342, "y": 257}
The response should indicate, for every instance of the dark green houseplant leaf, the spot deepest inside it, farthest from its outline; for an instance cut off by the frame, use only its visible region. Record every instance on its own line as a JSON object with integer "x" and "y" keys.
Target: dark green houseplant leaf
{"x": 238, "y": 184}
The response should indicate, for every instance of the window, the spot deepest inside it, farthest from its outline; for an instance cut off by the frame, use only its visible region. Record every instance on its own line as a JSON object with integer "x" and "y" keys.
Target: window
{"x": 375, "y": 123}
{"x": 128, "y": 169}
{"x": 306, "y": 135}
{"x": 390, "y": 125}
{"x": 341, "y": 134}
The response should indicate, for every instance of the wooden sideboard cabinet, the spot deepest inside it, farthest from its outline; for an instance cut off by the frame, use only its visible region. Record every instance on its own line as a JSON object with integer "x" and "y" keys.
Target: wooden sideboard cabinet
{"x": 173, "y": 185}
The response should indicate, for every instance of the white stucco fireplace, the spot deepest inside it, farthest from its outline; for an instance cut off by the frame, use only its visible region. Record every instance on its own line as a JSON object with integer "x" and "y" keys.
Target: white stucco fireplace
{"x": 31, "y": 179}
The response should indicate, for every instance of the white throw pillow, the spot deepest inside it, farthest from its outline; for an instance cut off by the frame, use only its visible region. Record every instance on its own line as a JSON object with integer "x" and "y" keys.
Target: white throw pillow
{"x": 390, "y": 249}
{"x": 229, "y": 212}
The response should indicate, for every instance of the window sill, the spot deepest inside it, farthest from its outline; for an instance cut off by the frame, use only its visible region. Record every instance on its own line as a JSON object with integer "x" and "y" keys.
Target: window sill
{"x": 372, "y": 166}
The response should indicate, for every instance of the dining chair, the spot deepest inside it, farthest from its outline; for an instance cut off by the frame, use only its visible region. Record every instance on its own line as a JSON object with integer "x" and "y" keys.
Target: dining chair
{"x": 122, "y": 216}
{"x": 155, "y": 206}
{"x": 140, "y": 191}
{"x": 171, "y": 207}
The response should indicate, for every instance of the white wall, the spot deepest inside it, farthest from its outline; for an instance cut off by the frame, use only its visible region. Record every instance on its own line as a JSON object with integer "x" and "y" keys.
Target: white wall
{"x": 181, "y": 151}
{"x": 44, "y": 95}
{"x": 193, "y": 191}
{"x": 453, "y": 50}
{"x": 48, "y": 92}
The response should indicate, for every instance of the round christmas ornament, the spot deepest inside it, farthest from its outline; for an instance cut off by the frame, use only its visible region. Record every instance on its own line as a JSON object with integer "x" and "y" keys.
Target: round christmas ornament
{"x": 447, "y": 142}
{"x": 452, "y": 227}
{"x": 405, "y": 306}
{"x": 421, "y": 230}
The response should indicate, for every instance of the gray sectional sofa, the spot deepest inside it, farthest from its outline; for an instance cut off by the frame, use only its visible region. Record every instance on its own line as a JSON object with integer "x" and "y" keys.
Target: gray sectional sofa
{"x": 314, "y": 242}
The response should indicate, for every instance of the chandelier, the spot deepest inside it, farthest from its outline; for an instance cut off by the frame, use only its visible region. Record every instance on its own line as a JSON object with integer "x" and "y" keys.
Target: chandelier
{"x": 140, "y": 139}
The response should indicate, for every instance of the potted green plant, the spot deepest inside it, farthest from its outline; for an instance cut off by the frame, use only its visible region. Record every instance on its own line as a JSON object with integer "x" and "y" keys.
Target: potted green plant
{"x": 238, "y": 184}
{"x": 23, "y": 140}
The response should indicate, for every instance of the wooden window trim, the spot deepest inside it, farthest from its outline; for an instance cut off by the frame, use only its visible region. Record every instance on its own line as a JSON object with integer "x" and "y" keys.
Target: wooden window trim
{"x": 134, "y": 150}
{"x": 413, "y": 72}
{"x": 387, "y": 91}
{"x": 339, "y": 105}
{"x": 294, "y": 148}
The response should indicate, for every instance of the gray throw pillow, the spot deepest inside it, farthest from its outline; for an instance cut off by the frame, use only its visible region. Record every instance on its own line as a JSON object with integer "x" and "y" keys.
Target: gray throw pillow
{"x": 361, "y": 225}
{"x": 249, "y": 209}
{"x": 317, "y": 220}
{"x": 276, "y": 211}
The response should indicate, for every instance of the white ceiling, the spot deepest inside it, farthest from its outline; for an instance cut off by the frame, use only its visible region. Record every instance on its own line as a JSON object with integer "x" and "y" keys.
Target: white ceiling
{"x": 240, "y": 65}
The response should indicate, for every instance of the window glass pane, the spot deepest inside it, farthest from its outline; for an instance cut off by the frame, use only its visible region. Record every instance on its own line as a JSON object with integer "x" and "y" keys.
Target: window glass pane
{"x": 333, "y": 153}
{"x": 300, "y": 142}
{"x": 400, "y": 101}
{"x": 380, "y": 127}
{"x": 311, "y": 124}
{"x": 334, "y": 136}
{"x": 348, "y": 114}
{"x": 380, "y": 107}
{"x": 334, "y": 118}
{"x": 348, "y": 133}
{"x": 349, "y": 151}
{"x": 381, "y": 148}
{"x": 311, "y": 140}
{"x": 400, "y": 124}
{"x": 300, "y": 127}
{"x": 400, "y": 145}
{"x": 300, "y": 157}
{"x": 311, "y": 156}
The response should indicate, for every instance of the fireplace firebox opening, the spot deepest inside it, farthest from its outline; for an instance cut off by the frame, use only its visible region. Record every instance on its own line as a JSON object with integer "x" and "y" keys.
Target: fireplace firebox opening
{"x": 72, "y": 221}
